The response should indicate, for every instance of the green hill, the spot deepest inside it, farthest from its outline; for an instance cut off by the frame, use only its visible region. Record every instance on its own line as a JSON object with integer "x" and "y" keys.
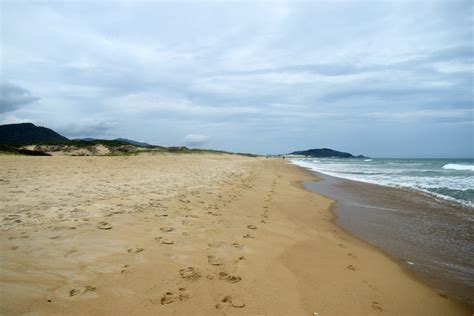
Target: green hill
{"x": 28, "y": 133}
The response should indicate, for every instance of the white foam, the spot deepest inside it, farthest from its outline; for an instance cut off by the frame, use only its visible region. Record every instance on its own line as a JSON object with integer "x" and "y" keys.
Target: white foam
{"x": 390, "y": 177}
{"x": 368, "y": 159}
{"x": 453, "y": 166}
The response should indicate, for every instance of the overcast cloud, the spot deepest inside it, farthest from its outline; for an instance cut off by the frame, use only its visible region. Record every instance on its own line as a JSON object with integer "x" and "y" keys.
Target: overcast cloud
{"x": 385, "y": 79}
{"x": 13, "y": 97}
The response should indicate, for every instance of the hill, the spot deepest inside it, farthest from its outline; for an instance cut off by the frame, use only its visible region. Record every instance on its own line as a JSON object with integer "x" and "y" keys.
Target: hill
{"x": 134, "y": 142}
{"x": 325, "y": 153}
{"x": 28, "y": 133}
{"x": 123, "y": 140}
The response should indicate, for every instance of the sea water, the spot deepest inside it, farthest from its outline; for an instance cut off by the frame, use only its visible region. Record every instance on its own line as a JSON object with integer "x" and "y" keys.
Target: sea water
{"x": 449, "y": 179}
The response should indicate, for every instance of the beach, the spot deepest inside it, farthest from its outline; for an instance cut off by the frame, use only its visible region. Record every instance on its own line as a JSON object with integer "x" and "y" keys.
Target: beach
{"x": 188, "y": 234}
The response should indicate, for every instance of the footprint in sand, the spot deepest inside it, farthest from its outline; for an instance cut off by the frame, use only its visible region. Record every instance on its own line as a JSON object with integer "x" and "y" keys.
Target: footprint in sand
{"x": 350, "y": 267}
{"x": 214, "y": 214}
{"x": 216, "y": 244}
{"x": 215, "y": 261}
{"x": 376, "y": 305}
{"x": 166, "y": 241}
{"x": 190, "y": 273}
{"x": 187, "y": 222}
{"x": 170, "y": 297}
{"x": 167, "y": 229}
{"x": 373, "y": 287}
{"x": 135, "y": 250}
{"x": 248, "y": 236}
{"x": 252, "y": 227}
{"x": 124, "y": 268}
{"x": 82, "y": 290}
{"x": 104, "y": 225}
{"x": 24, "y": 237}
{"x": 229, "y": 301}
{"x": 237, "y": 245}
{"x": 229, "y": 277}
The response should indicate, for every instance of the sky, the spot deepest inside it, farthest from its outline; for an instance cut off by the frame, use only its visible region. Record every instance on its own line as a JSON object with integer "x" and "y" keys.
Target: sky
{"x": 379, "y": 78}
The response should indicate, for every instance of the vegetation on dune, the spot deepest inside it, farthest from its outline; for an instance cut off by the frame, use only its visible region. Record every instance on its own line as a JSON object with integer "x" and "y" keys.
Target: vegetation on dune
{"x": 86, "y": 143}
{"x": 15, "y": 137}
{"x": 116, "y": 148}
{"x": 12, "y": 150}
{"x": 204, "y": 151}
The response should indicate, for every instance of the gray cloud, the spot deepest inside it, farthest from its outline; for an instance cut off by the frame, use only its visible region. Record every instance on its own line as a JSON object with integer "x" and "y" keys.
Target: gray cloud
{"x": 87, "y": 128}
{"x": 13, "y": 97}
{"x": 195, "y": 140}
{"x": 286, "y": 75}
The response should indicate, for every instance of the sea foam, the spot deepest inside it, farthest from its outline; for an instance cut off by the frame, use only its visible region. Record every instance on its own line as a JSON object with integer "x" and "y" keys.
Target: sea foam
{"x": 443, "y": 179}
{"x": 453, "y": 166}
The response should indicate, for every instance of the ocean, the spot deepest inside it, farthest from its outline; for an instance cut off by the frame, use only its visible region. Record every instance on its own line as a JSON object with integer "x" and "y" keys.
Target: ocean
{"x": 448, "y": 179}
{"x": 420, "y": 211}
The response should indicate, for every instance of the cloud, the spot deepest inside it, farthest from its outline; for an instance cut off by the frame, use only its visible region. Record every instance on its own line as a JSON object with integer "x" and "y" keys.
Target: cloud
{"x": 282, "y": 74}
{"x": 87, "y": 128}
{"x": 195, "y": 140}
{"x": 147, "y": 104}
{"x": 13, "y": 97}
{"x": 13, "y": 119}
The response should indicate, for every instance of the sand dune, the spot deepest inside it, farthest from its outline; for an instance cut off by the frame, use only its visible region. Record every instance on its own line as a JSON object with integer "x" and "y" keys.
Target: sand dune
{"x": 186, "y": 235}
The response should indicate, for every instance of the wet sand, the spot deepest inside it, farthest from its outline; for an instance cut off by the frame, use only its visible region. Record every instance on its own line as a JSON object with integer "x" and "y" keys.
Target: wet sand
{"x": 435, "y": 238}
{"x": 187, "y": 235}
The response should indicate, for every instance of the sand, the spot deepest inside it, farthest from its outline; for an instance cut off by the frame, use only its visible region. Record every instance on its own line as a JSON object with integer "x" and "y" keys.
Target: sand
{"x": 187, "y": 235}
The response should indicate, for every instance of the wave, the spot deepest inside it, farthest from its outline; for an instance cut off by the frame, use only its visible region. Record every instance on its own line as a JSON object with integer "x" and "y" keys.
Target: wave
{"x": 368, "y": 159}
{"x": 453, "y": 166}
{"x": 452, "y": 188}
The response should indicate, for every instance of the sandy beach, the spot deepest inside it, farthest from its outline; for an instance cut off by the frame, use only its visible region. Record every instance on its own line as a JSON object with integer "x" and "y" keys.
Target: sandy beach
{"x": 187, "y": 235}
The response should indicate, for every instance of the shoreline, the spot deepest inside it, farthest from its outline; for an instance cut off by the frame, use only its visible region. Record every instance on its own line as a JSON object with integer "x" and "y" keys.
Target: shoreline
{"x": 187, "y": 234}
{"x": 443, "y": 285}
{"x": 442, "y": 198}
{"x": 406, "y": 271}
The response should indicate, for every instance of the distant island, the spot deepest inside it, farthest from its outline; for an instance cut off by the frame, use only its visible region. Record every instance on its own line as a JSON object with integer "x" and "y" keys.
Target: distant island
{"x": 325, "y": 153}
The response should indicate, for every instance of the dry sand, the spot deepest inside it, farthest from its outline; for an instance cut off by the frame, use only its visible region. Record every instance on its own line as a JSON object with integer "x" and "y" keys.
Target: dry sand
{"x": 186, "y": 235}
